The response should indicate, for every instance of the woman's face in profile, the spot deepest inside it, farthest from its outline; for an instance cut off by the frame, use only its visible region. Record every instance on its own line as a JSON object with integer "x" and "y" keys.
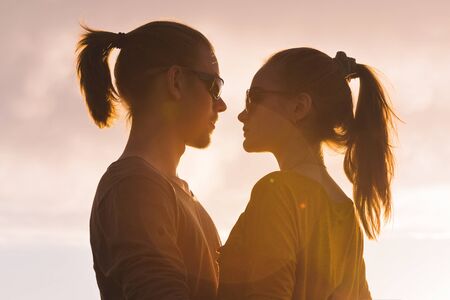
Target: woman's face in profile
{"x": 265, "y": 126}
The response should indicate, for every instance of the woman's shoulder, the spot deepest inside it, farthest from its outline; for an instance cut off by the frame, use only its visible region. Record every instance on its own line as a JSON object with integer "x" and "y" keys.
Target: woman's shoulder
{"x": 291, "y": 187}
{"x": 284, "y": 188}
{"x": 288, "y": 180}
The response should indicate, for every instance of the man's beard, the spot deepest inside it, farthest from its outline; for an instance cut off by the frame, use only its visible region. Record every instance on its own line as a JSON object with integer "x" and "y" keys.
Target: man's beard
{"x": 201, "y": 141}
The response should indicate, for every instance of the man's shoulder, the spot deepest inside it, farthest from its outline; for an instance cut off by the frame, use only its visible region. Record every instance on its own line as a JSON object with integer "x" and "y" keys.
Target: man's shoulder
{"x": 132, "y": 173}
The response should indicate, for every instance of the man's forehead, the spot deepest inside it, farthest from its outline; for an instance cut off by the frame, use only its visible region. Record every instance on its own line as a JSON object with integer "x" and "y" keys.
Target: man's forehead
{"x": 213, "y": 58}
{"x": 213, "y": 63}
{"x": 208, "y": 61}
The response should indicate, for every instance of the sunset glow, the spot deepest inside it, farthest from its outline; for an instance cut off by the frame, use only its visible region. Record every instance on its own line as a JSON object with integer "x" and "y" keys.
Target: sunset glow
{"x": 53, "y": 155}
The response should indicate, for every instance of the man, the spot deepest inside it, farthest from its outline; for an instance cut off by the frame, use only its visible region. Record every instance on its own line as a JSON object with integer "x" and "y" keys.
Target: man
{"x": 150, "y": 237}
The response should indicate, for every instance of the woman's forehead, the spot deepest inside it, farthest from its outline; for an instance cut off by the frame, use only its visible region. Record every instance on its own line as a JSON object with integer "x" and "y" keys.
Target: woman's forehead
{"x": 267, "y": 78}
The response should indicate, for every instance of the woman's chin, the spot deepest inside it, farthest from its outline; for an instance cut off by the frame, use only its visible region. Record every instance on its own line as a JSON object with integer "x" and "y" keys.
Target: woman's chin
{"x": 248, "y": 146}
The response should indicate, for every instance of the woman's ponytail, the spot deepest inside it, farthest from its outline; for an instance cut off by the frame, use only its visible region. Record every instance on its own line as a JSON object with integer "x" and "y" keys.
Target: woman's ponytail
{"x": 369, "y": 162}
{"x": 365, "y": 134}
{"x": 93, "y": 71}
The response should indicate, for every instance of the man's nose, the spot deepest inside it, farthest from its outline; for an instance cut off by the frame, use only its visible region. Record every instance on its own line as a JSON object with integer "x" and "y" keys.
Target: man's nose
{"x": 220, "y": 105}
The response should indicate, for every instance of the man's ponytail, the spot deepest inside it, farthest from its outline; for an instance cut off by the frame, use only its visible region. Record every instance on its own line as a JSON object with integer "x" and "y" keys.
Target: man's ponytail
{"x": 95, "y": 79}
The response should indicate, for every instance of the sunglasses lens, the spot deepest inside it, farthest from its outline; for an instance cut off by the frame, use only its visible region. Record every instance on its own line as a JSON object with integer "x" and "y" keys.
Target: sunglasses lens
{"x": 251, "y": 99}
{"x": 216, "y": 88}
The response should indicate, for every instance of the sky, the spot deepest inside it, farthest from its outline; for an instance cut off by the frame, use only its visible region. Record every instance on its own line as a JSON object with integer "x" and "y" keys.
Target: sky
{"x": 52, "y": 155}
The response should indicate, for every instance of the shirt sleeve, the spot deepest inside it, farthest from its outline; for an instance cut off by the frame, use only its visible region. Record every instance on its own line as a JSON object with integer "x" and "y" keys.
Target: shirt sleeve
{"x": 140, "y": 229}
{"x": 272, "y": 236}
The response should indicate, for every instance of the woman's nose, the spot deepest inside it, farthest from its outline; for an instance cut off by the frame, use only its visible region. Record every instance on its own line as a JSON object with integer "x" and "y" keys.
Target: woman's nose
{"x": 242, "y": 116}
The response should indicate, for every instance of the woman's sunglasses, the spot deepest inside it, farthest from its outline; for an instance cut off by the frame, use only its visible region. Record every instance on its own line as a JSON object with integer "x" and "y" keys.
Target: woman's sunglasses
{"x": 254, "y": 95}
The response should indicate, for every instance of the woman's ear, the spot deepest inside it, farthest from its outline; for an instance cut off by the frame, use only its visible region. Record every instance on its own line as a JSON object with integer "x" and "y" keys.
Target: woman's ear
{"x": 302, "y": 107}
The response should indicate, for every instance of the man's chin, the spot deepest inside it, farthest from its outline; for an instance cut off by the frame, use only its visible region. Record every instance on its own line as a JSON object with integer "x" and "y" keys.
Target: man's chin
{"x": 201, "y": 142}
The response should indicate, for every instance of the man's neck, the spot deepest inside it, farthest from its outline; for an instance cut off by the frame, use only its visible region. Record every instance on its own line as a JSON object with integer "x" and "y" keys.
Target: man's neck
{"x": 161, "y": 147}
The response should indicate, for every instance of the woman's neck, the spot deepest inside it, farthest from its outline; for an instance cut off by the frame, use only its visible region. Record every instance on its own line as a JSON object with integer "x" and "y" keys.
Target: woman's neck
{"x": 297, "y": 154}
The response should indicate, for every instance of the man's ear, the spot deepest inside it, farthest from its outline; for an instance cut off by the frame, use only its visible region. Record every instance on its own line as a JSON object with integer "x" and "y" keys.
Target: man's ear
{"x": 302, "y": 107}
{"x": 174, "y": 78}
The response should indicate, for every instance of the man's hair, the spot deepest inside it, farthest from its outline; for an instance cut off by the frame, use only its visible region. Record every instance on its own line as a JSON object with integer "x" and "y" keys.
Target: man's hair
{"x": 155, "y": 44}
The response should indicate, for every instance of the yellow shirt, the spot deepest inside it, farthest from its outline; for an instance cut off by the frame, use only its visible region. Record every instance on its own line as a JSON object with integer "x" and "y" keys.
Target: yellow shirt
{"x": 293, "y": 242}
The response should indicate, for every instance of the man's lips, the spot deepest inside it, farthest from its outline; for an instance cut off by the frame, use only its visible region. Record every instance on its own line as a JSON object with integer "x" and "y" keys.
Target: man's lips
{"x": 213, "y": 121}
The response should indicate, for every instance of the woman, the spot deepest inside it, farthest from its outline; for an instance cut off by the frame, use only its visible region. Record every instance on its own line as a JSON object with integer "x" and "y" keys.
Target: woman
{"x": 150, "y": 237}
{"x": 300, "y": 237}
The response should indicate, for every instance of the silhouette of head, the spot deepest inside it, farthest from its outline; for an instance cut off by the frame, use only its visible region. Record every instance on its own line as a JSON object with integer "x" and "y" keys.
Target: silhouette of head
{"x": 303, "y": 93}
{"x": 298, "y": 90}
{"x": 166, "y": 73}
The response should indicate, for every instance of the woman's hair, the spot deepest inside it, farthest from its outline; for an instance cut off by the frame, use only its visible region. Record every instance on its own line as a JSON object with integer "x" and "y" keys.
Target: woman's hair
{"x": 151, "y": 46}
{"x": 365, "y": 134}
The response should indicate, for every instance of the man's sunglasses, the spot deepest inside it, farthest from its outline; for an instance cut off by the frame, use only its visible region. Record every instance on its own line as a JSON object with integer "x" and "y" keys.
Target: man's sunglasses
{"x": 213, "y": 82}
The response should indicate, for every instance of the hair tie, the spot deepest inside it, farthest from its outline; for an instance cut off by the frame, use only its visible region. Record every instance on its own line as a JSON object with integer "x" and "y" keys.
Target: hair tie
{"x": 347, "y": 65}
{"x": 119, "y": 42}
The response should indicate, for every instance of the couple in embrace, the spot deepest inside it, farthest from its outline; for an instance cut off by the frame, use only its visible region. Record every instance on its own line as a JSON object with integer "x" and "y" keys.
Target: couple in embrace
{"x": 300, "y": 236}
